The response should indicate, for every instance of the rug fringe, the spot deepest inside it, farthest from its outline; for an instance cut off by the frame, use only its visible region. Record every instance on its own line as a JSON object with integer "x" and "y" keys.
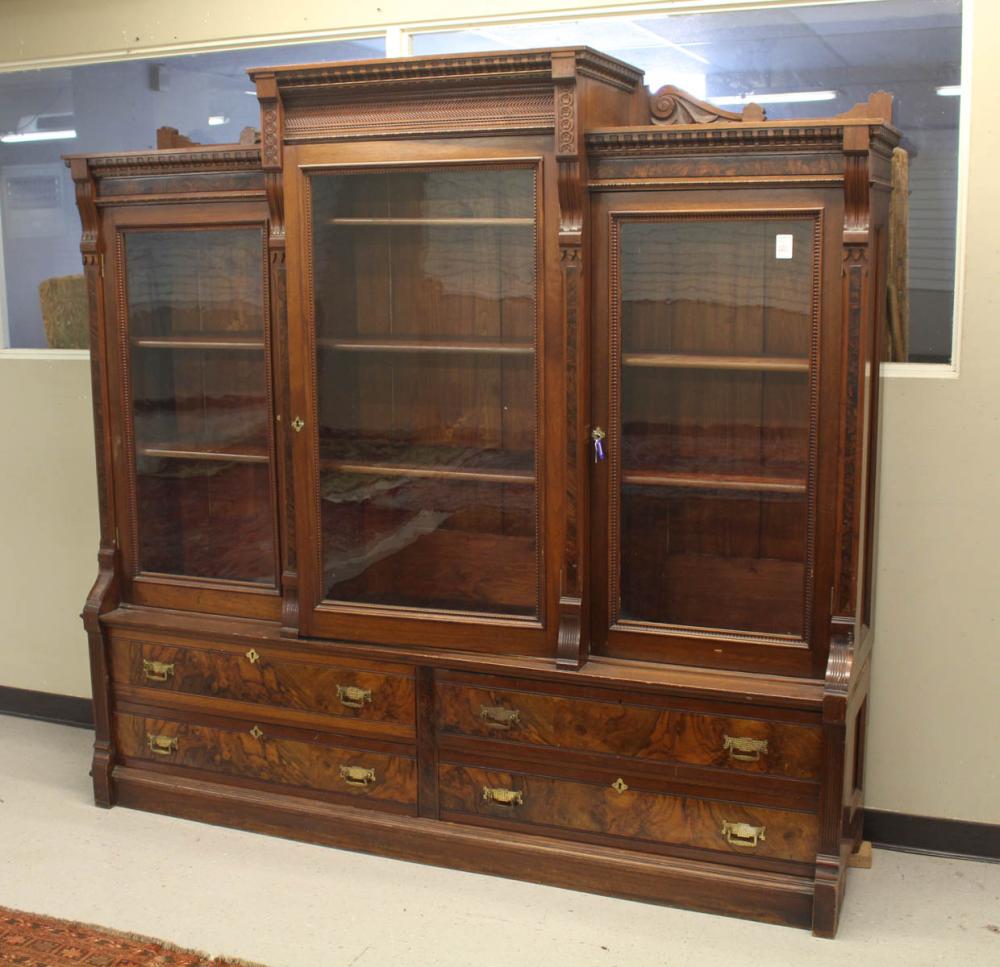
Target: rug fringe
{"x": 211, "y": 960}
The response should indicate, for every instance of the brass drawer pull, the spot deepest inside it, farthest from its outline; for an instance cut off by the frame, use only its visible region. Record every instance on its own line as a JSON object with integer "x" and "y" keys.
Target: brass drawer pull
{"x": 357, "y": 775}
{"x": 161, "y": 744}
{"x": 743, "y": 834}
{"x": 354, "y": 697}
{"x": 744, "y": 749}
{"x": 503, "y": 797}
{"x": 497, "y": 717}
{"x": 157, "y": 671}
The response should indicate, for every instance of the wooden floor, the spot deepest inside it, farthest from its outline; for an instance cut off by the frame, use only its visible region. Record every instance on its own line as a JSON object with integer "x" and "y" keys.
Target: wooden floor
{"x": 289, "y": 904}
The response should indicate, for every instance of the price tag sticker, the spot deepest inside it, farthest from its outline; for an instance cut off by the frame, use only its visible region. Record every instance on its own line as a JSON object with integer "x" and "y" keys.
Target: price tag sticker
{"x": 782, "y": 246}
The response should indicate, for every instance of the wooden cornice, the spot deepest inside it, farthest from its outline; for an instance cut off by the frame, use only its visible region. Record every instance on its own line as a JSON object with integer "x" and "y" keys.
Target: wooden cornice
{"x": 805, "y": 135}
{"x": 194, "y": 159}
{"x": 460, "y": 70}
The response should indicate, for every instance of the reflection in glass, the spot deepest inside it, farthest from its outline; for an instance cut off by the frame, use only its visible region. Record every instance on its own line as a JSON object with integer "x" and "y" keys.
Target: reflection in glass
{"x": 424, "y": 294}
{"x": 715, "y": 319}
{"x": 199, "y": 402}
{"x": 810, "y": 60}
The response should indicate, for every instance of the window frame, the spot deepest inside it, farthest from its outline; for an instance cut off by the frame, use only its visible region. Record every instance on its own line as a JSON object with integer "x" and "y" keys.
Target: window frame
{"x": 399, "y": 43}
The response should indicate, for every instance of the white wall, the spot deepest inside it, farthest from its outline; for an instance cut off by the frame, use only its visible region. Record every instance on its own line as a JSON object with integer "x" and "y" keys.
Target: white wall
{"x": 935, "y": 717}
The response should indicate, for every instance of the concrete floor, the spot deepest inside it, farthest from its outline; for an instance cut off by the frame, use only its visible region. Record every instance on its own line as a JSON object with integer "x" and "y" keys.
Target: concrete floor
{"x": 287, "y": 904}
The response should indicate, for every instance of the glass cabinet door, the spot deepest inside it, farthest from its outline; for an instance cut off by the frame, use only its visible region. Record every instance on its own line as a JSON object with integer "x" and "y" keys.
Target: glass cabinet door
{"x": 713, "y": 342}
{"x": 424, "y": 297}
{"x": 195, "y": 326}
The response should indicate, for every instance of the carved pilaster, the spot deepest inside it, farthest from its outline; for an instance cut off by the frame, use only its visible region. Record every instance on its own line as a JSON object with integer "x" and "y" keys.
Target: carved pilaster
{"x": 104, "y": 595}
{"x": 856, "y": 319}
{"x": 831, "y": 861}
{"x": 271, "y": 122}
{"x": 573, "y": 633}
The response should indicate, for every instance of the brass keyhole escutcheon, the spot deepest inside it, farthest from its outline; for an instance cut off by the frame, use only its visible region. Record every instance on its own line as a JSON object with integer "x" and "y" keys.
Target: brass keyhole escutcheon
{"x": 619, "y": 785}
{"x": 297, "y": 424}
{"x": 253, "y": 657}
{"x": 256, "y": 732}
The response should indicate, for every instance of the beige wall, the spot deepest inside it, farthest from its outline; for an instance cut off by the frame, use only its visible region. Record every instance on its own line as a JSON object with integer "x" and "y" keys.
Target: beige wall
{"x": 935, "y": 720}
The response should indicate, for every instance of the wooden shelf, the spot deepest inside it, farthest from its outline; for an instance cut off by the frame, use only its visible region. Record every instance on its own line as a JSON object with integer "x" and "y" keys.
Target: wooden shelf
{"x": 428, "y": 346}
{"x": 522, "y": 477}
{"x": 774, "y": 364}
{"x": 715, "y": 481}
{"x": 434, "y": 222}
{"x": 228, "y": 453}
{"x": 216, "y": 341}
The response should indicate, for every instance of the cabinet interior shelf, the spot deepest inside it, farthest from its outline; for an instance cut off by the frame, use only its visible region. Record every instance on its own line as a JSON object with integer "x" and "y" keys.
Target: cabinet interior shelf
{"x": 218, "y": 341}
{"x": 522, "y": 477}
{"x": 229, "y": 453}
{"x": 428, "y": 346}
{"x": 434, "y": 222}
{"x": 715, "y": 481}
{"x": 776, "y": 364}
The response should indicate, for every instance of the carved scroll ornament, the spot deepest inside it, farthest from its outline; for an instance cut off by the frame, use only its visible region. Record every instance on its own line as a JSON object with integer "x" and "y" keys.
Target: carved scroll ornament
{"x": 671, "y": 105}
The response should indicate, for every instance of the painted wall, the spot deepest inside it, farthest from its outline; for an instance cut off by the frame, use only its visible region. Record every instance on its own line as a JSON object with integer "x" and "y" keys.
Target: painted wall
{"x": 935, "y": 717}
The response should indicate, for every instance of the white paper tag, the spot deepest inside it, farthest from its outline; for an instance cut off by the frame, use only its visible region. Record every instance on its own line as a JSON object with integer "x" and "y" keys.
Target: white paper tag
{"x": 782, "y": 246}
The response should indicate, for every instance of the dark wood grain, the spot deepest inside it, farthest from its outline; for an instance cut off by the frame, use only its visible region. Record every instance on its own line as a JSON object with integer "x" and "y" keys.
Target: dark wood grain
{"x": 554, "y": 804}
{"x": 282, "y": 761}
{"x": 627, "y": 730}
{"x": 273, "y": 680}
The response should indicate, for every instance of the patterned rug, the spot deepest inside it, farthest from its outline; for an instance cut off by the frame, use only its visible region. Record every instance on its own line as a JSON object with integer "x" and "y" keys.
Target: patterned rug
{"x": 29, "y": 940}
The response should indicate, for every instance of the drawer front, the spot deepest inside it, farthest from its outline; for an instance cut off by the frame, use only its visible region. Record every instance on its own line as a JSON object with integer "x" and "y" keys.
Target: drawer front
{"x": 351, "y": 694}
{"x": 251, "y": 753}
{"x": 620, "y": 811}
{"x": 635, "y": 731}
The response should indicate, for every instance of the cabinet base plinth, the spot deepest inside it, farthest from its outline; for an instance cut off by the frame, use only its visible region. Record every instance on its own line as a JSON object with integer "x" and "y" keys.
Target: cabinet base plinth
{"x": 706, "y": 887}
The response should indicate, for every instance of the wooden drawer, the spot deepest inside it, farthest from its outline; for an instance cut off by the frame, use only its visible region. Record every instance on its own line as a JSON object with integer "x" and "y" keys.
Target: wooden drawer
{"x": 343, "y": 695}
{"x": 631, "y": 729}
{"x": 639, "y": 815}
{"x": 252, "y": 753}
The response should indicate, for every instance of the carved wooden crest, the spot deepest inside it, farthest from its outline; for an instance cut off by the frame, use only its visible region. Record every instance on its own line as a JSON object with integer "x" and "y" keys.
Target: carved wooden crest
{"x": 671, "y": 105}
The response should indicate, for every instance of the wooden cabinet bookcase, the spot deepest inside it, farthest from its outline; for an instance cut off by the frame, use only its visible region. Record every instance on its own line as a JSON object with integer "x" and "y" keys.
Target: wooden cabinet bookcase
{"x": 486, "y": 462}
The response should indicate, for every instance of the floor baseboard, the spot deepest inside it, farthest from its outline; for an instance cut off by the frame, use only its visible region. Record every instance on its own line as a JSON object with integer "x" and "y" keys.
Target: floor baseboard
{"x": 928, "y": 834}
{"x": 888, "y": 830}
{"x": 47, "y": 707}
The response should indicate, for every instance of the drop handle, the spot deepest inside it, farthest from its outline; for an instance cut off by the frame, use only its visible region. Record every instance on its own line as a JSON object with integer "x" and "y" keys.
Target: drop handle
{"x": 597, "y": 435}
{"x": 161, "y": 744}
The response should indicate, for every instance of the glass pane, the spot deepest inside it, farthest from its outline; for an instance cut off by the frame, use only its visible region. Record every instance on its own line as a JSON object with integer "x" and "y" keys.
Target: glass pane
{"x": 200, "y": 409}
{"x": 425, "y": 318}
{"x": 715, "y": 319}
{"x": 805, "y": 60}
{"x": 118, "y": 106}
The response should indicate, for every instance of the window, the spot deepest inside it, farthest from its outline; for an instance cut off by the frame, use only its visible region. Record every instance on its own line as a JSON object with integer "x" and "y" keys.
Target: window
{"x": 105, "y": 107}
{"x": 807, "y": 61}
{"x": 800, "y": 60}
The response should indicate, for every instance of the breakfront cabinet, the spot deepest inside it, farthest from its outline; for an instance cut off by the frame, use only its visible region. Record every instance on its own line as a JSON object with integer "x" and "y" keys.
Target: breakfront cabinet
{"x": 486, "y": 457}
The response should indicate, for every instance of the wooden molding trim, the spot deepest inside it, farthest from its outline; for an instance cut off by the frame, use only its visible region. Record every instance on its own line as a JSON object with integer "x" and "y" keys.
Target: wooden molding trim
{"x": 47, "y": 707}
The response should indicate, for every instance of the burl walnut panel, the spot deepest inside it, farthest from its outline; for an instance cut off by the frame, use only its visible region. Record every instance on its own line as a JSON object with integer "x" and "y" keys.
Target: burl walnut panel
{"x": 273, "y": 681}
{"x": 643, "y": 732}
{"x": 257, "y": 755}
{"x": 652, "y": 817}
